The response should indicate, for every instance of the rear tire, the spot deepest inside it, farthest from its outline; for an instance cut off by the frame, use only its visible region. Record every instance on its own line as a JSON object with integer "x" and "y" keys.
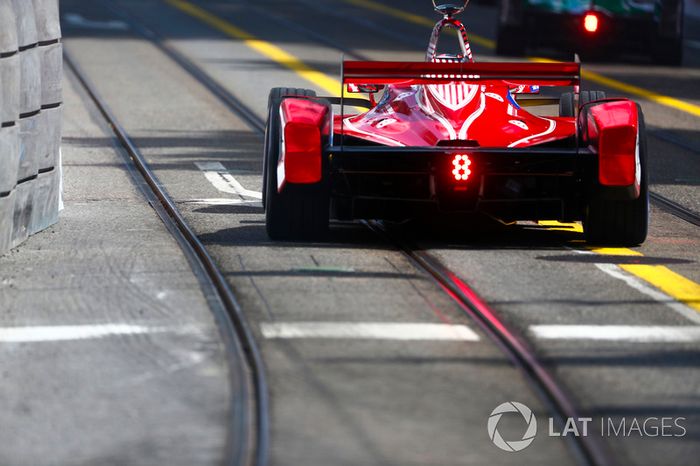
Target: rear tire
{"x": 300, "y": 211}
{"x": 621, "y": 223}
{"x": 566, "y": 101}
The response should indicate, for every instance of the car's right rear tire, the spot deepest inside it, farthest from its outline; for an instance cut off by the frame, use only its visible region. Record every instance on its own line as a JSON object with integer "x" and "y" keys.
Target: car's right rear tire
{"x": 299, "y": 211}
{"x": 621, "y": 222}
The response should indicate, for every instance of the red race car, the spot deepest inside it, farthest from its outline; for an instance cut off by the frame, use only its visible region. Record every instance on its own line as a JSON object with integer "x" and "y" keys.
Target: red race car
{"x": 452, "y": 136}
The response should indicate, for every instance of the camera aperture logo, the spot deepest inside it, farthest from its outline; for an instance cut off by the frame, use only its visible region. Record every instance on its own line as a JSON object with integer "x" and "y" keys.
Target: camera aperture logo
{"x": 530, "y": 431}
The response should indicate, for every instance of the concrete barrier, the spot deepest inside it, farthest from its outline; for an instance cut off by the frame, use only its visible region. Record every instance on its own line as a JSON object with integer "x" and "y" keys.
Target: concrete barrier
{"x": 26, "y": 23}
{"x": 9, "y": 89}
{"x": 51, "y": 59}
{"x": 45, "y": 201}
{"x": 8, "y": 28}
{"x": 48, "y": 25}
{"x": 31, "y": 74}
{"x": 22, "y": 213}
{"x": 7, "y": 207}
{"x": 9, "y": 158}
{"x": 53, "y": 119}
{"x": 30, "y": 81}
{"x": 28, "y": 147}
{"x": 42, "y": 155}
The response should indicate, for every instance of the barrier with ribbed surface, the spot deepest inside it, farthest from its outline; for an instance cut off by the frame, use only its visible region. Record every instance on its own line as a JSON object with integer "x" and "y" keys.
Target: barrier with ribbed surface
{"x": 31, "y": 75}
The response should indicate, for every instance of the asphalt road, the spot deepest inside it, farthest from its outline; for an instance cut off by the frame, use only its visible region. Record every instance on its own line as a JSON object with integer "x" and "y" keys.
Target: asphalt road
{"x": 384, "y": 401}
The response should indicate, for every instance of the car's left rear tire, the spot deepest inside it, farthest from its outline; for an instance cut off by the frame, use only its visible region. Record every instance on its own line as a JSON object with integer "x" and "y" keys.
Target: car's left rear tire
{"x": 621, "y": 222}
{"x": 299, "y": 211}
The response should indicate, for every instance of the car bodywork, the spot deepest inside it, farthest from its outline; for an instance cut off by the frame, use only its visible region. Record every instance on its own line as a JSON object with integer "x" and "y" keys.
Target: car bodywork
{"x": 398, "y": 158}
{"x": 451, "y": 136}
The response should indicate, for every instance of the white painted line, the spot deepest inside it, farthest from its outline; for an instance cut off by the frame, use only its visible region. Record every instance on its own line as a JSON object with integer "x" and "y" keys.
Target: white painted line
{"x": 635, "y": 333}
{"x": 222, "y": 201}
{"x": 369, "y": 331}
{"x": 71, "y": 332}
{"x": 641, "y": 286}
{"x": 644, "y": 288}
{"x": 78, "y": 21}
{"x": 224, "y": 181}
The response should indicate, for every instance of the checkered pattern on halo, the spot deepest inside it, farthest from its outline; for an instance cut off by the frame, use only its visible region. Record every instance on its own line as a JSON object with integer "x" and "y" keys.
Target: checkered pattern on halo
{"x": 465, "y": 38}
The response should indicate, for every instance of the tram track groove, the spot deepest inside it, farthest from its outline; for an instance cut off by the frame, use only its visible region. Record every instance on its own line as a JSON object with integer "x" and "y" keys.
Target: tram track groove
{"x": 586, "y": 450}
{"x": 234, "y": 328}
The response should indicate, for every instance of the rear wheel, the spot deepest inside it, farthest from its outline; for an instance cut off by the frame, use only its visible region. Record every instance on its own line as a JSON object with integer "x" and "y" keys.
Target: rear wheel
{"x": 621, "y": 223}
{"x": 300, "y": 211}
{"x": 566, "y": 101}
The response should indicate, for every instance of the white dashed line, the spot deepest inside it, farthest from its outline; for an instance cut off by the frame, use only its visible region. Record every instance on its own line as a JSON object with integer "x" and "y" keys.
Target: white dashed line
{"x": 369, "y": 330}
{"x": 633, "y": 333}
{"x": 221, "y": 201}
{"x": 71, "y": 332}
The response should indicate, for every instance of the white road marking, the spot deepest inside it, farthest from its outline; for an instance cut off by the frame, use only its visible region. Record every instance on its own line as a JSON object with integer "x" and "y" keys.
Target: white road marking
{"x": 221, "y": 201}
{"x": 639, "y": 285}
{"x": 224, "y": 181}
{"x": 635, "y": 333}
{"x": 71, "y": 332}
{"x": 369, "y": 330}
{"x": 78, "y": 21}
{"x": 644, "y": 288}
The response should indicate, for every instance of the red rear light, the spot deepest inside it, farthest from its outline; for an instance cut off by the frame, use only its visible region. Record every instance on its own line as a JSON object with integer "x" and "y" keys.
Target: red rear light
{"x": 460, "y": 168}
{"x": 590, "y": 22}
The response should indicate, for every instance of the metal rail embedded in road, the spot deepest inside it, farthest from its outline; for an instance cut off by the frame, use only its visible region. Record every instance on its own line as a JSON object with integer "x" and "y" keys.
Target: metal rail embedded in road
{"x": 675, "y": 209}
{"x": 587, "y": 450}
{"x": 233, "y": 325}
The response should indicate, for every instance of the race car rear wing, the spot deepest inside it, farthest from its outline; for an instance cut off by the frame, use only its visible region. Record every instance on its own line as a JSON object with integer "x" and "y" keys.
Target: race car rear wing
{"x": 413, "y": 73}
{"x": 410, "y": 73}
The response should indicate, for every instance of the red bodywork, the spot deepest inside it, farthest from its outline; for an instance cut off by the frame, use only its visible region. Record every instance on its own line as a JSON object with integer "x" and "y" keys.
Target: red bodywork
{"x": 303, "y": 122}
{"x": 611, "y": 130}
{"x": 459, "y": 109}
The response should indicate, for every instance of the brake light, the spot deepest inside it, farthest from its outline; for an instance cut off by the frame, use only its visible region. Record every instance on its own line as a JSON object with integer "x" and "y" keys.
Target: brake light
{"x": 590, "y": 22}
{"x": 461, "y": 169}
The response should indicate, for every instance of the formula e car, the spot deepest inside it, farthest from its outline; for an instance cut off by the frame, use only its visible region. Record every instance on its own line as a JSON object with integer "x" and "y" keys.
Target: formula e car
{"x": 451, "y": 136}
{"x": 594, "y": 28}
